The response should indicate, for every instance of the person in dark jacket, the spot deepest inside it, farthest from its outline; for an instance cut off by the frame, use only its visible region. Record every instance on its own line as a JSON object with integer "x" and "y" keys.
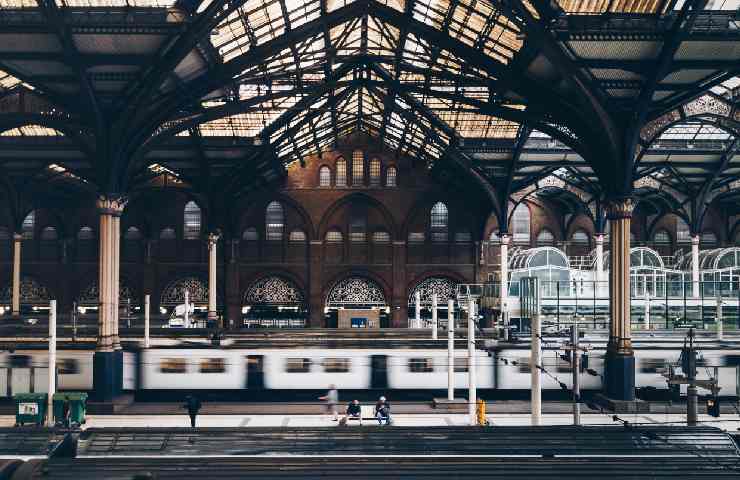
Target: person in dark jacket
{"x": 193, "y": 405}
{"x": 383, "y": 411}
{"x": 353, "y": 409}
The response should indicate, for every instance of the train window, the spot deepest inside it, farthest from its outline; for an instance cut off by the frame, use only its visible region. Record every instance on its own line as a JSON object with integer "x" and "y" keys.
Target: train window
{"x": 461, "y": 364}
{"x": 212, "y": 365}
{"x": 732, "y": 360}
{"x": 523, "y": 364}
{"x": 68, "y": 366}
{"x": 20, "y": 361}
{"x": 421, "y": 365}
{"x": 297, "y": 365}
{"x": 173, "y": 365}
{"x": 652, "y": 365}
{"x": 336, "y": 365}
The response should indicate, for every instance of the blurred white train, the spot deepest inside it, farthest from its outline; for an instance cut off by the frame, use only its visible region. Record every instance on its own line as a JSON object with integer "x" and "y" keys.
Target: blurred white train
{"x": 173, "y": 370}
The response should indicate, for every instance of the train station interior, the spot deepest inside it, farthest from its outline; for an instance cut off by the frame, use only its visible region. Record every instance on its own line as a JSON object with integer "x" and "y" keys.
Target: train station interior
{"x": 500, "y": 213}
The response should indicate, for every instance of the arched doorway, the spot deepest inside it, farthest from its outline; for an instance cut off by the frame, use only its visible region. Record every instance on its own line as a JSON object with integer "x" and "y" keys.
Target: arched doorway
{"x": 356, "y": 302}
{"x": 34, "y": 296}
{"x": 444, "y": 287}
{"x": 128, "y": 303}
{"x": 274, "y": 302}
{"x": 174, "y": 295}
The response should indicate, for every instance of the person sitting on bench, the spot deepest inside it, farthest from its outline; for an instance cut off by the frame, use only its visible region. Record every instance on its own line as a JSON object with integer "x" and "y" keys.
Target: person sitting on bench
{"x": 354, "y": 410}
{"x": 383, "y": 411}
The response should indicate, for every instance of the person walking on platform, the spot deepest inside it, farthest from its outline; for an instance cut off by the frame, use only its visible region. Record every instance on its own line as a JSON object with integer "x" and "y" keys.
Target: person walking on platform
{"x": 193, "y": 405}
{"x": 383, "y": 411}
{"x": 331, "y": 398}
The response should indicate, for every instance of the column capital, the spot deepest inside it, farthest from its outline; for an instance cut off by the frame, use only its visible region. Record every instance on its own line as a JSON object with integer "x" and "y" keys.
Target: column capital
{"x": 17, "y": 237}
{"x": 504, "y": 237}
{"x": 695, "y": 239}
{"x": 619, "y": 208}
{"x": 213, "y": 237}
{"x": 599, "y": 238}
{"x": 111, "y": 205}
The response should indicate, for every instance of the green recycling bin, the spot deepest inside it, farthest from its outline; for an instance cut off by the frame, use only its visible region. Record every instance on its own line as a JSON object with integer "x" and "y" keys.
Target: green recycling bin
{"x": 30, "y": 408}
{"x": 77, "y": 407}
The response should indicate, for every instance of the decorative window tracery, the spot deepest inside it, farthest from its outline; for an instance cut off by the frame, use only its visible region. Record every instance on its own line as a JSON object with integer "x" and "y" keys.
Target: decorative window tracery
{"x": 274, "y": 291}
{"x": 91, "y": 294}
{"x": 31, "y": 292}
{"x": 358, "y": 168}
{"x": 444, "y": 287}
{"x": 174, "y": 292}
{"x": 341, "y": 172}
{"x": 275, "y": 221}
{"x": 391, "y": 175}
{"x": 356, "y": 291}
{"x": 324, "y": 177}
{"x": 375, "y": 172}
{"x": 191, "y": 221}
{"x": 439, "y": 221}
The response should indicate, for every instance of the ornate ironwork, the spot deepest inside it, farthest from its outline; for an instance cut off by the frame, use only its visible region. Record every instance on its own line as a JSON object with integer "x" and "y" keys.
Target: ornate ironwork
{"x": 356, "y": 291}
{"x": 708, "y": 104}
{"x": 273, "y": 291}
{"x": 444, "y": 287}
{"x": 31, "y": 292}
{"x": 91, "y": 294}
{"x": 174, "y": 292}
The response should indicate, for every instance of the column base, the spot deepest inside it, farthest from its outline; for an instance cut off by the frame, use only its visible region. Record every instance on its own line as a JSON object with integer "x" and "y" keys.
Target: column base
{"x": 619, "y": 377}
{"x": 107, "y": 375}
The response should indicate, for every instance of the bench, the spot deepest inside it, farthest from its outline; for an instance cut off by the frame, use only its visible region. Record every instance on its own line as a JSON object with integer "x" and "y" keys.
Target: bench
{"x": 367, "y": 412}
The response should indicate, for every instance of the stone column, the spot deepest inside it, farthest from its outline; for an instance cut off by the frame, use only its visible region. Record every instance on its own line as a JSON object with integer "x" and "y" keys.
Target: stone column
{"x": 599, "y": 263}
{"x": 212, "y": 284}
{"x": 695, "y": 266}
{"x": 504, "y": 291}
{"x": 315, "y": 298}
{"x": 107, "y": 361}
{"x": 16, "y": 300}
{"x": 620, "y": 360}
{"x": 399, "y": 300}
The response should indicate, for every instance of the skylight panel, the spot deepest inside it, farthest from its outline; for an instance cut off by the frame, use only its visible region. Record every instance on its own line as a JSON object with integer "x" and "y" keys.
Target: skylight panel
{"x": 116, "y": 3}
{"x": 18, "y": 4}
{"x": 8, "y": 82}
{"x": 32, "y": 131}
{"x": 612, "y": 6}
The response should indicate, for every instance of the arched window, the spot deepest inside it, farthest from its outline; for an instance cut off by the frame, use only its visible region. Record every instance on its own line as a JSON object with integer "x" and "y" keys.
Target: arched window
{"x": 334, "y": 236}
{"x": 324, "y": 176}
{"x": 358, "y": 168}
{"x": 341, "y": 172}
{"x": 381, "y": 236}
{"x": 545, "y": 238}
{"x": 439, "y": 222}
{"x": 29, "y": 225}
{"x": 191, "y": 221}
{"x": 662, "y": 237}
{"x": 683, "y": 234}
{"x": 167, "y": 233}
{"x": 463, "y": 237}
{"x": 4, "y": 234}
{"x": 375, "y": 172}
{"x": 49, "y": 233}
{"x": 250, "y": 234}
{"x": 132, "y": 234}
{"x": 580, "y": 237}
{"x": 297, "y": 236}
{"x": 521, "y": 224}
{"x": 274, "y": 221}
{"x": 86, "y": 233}
{"x": 391, "y": 175}
{"x": 708, "y": 239}
{"x": 416, "y": 237}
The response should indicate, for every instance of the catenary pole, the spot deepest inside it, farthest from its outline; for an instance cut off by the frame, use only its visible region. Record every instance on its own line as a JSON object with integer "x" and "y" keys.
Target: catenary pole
{"x": 147, "y": 300}
{"x": 534, "y": 365}
{"x": 576, "y": 377}
{"x": 52, "y": 362}
{"x": 434, "y": 316}
{"x": 450, "y": 349}
{"x": 472, "y": 393}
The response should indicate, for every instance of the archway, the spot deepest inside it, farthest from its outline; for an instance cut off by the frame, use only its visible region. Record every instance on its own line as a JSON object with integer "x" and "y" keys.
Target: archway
{"x": 128, "y": 303}
{"x": 34, "y": 296}
{"x": 444, "y": 287}
{"x": 356, "y": 302}
{"x": 276, "y": 302}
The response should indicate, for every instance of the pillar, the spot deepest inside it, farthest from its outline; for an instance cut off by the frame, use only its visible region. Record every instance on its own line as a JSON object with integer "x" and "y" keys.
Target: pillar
{"x": 16, "y": 300}
{"x": 620, "y": 360}
{"x": 108, "y": 357}
{"x": 400, "y": 299}
{"x": 598, "y": 288}
{"x": 315, "y": 298}
{"x": 212, "y": 245}
{"x": 695, "y": 265}
{"x": 504, "y": 290}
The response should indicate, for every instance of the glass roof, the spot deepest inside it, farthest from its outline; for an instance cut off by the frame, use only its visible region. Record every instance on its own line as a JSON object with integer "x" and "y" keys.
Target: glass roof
{"x": 92, "y": 3}
{"x": 694, "y": 131}
{"x": 728, "y": 88}
{"x": 8, "y": 81}
{"x": 637, "y": 6}
{"x": 31, "y": 131}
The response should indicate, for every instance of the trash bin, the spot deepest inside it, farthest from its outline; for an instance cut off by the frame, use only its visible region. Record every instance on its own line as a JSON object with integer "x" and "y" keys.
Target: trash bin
{"x": 77, "y": 407}
{"x": 30, "y": 408}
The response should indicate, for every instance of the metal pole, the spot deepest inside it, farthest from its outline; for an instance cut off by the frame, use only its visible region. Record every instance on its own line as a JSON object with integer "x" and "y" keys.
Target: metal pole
{"x": 647, "y": 310}
{"x": 74, "y": 321}
{"x": 720, "y": 327}
{"x": 128, "y": 312}
{"x": 534, "y": 363}
{"x": 52, "y": 362}
{"x": 417, "y": 305}
{"x": 434, "y": 316}
{"x": 450, "y": 350}
{"x": 691, "y": 392}
{"x": 146, "y": 320}
{"x": 186, "y": 322}
{"x": 576, "y": 363}
{"x": 472, "y": 394}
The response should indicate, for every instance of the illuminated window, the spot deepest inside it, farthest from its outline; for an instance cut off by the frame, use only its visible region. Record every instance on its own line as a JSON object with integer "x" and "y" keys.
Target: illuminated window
{"x": 439, "y": 220}
{"x": 191, "y": 224}
{"x": 421, "y": 365}
{"x": 212, "y": 365}
{"x": 49, "y": 233}
{"x": 375, "y": 172}
{"x": 662, "y": 238}
{"x": 580, "y": 237}
{"x": 416, "y": 237}
{"x": 336, "y": 365}
{"x": 4, "y": 234}
{"x": 390, "y": 177}
{"x": 463, "y": 237}
{"x": 334, "y": 236}
{"x": 341, "y": 172}
{"x": 250, "y": 234}
{"x": 297, "y": 365}
{"x": 132, "y": 234}
{"x": 545, "y": 238}
{"x": 297, "y": 236}
{"x": 324, "y": 177}
{"x": 275, "y": 221}
{"x": 173, "y": 365}
{"x": 358, "y": 168}
{"x": 683, "y": 234}
{"x": 167, "y": 234}
{"x": 29, "y": 224}
{"x": 521, "y": 224}
{"x": 86, "y": 233}
{"x": 381, "y": 237}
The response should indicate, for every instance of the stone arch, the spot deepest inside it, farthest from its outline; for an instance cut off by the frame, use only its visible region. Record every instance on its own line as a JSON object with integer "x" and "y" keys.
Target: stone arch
{"x": 444, "y": 285}
{"x": 174, "y": 292}
{"x": 356, "y": 288}
{"x": 274, "y": 289}
{"x": 260, "y": 206}
{"x": 424, "y": 205}
{"x": 89, "y": 295}
{"x": 347, "y": 200}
